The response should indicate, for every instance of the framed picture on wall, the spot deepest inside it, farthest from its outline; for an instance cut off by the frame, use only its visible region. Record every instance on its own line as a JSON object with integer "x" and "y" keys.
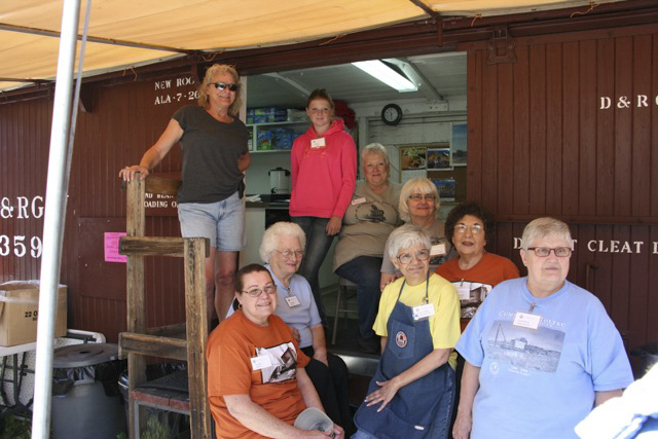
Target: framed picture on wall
{"x": 458, "y": 146}
{"x": 413, "y": 158}
{"x": 446, "y": 188}
{"x": 438, "y": 159}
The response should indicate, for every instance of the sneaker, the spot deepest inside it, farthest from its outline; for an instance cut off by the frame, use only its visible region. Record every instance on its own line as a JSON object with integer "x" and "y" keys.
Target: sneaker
{"x": 369, "y": 345}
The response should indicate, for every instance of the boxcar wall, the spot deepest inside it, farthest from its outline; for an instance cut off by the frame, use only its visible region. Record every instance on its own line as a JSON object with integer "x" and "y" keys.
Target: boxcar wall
{"x": 119, "y": 124}
{"x": 566, "y": 125}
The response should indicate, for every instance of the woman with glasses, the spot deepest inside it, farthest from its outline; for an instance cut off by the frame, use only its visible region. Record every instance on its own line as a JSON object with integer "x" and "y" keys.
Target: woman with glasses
{"x": 412, "y": 391}
{"x": 370, "y": 217}
{"x": 215, "y": 155}
{"x": 257, "y": 385}
{"x": 419, "y": 205}
{"x": 538, "y": 341}
{"x": 475, "y": 272}
{"x": 323, "y": 179}
{"x": 282, "y": 249}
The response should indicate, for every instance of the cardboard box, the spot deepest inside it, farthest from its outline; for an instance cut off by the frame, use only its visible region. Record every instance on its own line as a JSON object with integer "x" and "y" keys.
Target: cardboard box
{"x": 19, "y": 309}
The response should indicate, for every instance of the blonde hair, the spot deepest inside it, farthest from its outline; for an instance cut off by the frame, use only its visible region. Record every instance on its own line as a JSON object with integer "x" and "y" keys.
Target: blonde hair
{"x": 203, "y": 100}
{"x": 422, "y": 185}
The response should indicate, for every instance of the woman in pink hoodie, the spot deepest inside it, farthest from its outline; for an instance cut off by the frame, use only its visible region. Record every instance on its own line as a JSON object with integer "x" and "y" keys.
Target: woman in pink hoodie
{"x": 323, "y": 180}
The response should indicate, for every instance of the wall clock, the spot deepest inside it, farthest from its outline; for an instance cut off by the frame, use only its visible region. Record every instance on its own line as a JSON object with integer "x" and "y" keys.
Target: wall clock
{"x": 391, "y": 114}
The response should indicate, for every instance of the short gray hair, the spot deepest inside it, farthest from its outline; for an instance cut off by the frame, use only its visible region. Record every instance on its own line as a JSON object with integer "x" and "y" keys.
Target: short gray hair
{"x": 407, "y": 236}
{"x": 272, "y": 234}
{"x": 418, "y": 184}
{"x": 375, "y": 149}
{"x": 542, "y": 227}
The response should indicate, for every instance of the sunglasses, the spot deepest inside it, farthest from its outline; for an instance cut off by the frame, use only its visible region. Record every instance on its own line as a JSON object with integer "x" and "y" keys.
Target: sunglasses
{"x": 221, "y": 86}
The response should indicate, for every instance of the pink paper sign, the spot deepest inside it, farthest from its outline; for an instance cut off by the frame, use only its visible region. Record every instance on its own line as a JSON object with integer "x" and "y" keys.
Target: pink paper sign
{"x": 112, "y": 247}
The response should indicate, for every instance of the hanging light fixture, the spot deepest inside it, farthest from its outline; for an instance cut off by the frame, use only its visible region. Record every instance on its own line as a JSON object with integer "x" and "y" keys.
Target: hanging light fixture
{"x": 388, "y": 74}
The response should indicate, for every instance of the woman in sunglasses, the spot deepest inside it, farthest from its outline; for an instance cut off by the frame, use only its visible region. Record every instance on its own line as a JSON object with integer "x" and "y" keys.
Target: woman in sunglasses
{"x": 323, "y": 180}
{"x": 257, "y": 385}
{"x": 538, "y": 341}
{"x": 215, "y": 155}
{"x": 411, "y": 394}
{"x": 419, "y": 205}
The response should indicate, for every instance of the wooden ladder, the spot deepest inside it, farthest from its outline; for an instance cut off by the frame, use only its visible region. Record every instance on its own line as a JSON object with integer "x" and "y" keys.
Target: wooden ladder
{"x": 138, "y": 341}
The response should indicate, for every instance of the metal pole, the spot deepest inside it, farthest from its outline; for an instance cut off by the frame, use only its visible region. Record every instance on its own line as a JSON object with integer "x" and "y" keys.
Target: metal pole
{"x": 54, "y": 220}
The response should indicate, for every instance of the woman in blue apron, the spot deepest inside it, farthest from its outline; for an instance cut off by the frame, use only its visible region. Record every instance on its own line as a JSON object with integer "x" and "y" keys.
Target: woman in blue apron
{"x": 412, "y": 392}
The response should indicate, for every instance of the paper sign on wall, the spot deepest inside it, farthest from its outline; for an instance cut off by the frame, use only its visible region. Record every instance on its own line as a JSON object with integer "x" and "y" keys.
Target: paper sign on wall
{"x": 112, "y": 247}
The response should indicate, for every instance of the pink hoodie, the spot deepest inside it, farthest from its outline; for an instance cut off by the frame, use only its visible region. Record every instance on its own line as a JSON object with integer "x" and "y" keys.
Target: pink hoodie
{"x": 323, "y": 178}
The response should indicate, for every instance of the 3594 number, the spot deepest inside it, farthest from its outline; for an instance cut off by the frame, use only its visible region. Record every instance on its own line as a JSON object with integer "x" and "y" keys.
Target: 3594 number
{"x": 19, "y": 246}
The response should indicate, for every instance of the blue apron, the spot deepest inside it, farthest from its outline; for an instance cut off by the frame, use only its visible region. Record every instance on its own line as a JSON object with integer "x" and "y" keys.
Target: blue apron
{"x": 421, "y": 409}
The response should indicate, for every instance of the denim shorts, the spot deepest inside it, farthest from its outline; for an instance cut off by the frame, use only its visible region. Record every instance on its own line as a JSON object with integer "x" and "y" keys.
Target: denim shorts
{"x": 222, "y": 222}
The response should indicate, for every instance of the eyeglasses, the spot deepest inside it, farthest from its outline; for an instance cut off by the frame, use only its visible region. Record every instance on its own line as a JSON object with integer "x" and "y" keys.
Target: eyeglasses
{"x": 542, "y": 252}
{"x": 421, "y": 255}
{"x": 462, "y": 228}
{"x": 221, "y": 86}
{"x": 420, "y": 197}
{"x": 256, "y": 292}
{"x": 288, "y": 254}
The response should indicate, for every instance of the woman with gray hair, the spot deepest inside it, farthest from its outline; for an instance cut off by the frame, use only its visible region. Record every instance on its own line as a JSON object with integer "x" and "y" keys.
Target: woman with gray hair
{"x": 419, "y": 205}
{"x": 215, "y": 155}
{"x": 412, "y": 392}
{"x": 369, "y": 219}
{"x": 282, "y": 250}
{"x": 538, "y": 341}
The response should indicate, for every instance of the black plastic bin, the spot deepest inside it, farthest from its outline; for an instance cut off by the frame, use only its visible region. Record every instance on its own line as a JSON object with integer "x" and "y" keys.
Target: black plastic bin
{"x": 648, "y": 355}
{"x": 86, "y": 398}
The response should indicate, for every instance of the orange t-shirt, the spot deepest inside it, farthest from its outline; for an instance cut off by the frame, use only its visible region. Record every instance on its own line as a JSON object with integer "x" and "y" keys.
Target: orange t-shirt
{"x": 231, "y": 348}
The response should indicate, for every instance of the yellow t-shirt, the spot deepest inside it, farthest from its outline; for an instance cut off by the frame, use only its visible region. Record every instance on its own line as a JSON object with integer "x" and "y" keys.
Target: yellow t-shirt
{"x": 444, "y": 324}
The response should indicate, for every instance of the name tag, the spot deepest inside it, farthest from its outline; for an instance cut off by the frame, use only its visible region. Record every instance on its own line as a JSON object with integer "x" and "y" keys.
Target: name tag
{"x": 357, "y": 201}
{"x": 422, "y": 312}
{"x": 260, "y": 362}
{"x": 438, "y": 250}
{"x": 464, "y": 292}
{"x": 525, "y": 320}
{"x": 317, "y": 143}
{"x": 292, "y": 301}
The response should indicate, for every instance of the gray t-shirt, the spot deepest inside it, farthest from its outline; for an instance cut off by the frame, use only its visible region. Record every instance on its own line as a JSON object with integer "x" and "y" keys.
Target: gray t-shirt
{"x": 210, "y": 155}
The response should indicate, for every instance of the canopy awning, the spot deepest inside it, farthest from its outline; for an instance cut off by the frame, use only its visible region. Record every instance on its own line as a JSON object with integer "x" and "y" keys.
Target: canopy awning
{"x": 124, "y": 34}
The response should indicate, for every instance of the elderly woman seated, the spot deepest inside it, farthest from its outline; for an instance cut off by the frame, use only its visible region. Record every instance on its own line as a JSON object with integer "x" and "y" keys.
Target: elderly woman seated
{"x": 419, "y": 205}
{"x": 257, "y": 384}
{"x": 282, "y": 251}
{"x": 475, "y": 272}
{"x": 369, "y": 219}
{"x": 412, "y": 391}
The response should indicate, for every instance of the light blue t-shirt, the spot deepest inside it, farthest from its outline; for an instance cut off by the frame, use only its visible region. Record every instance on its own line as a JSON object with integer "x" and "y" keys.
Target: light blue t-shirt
{"x": 302, "y": 316}
{"x": 540, "y": 383}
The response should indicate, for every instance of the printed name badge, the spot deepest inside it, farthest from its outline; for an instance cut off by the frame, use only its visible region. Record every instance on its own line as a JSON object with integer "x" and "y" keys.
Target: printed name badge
{"x": 261, "y": 362}
{"x": 317, "y": 143}
{"x": 357, "y": 201}
{"x": 292, "y": 301}
{"x": 464, "y": 292}
{"x": 438, "y": 250}
{"x": 422, "y": 312}
{"x": 525, "y": 320}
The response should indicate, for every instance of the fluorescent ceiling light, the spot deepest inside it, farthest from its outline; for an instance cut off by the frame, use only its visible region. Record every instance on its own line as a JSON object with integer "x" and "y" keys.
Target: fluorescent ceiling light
{"x": 387, "y": 75}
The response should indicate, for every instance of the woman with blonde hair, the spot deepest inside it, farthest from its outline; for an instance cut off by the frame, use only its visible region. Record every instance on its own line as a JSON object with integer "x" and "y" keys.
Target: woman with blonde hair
{"x": 215, "y": 155}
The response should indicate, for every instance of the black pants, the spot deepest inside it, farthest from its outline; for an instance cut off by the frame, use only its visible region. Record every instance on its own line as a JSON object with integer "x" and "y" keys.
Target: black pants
{"x": 331, "y": 384}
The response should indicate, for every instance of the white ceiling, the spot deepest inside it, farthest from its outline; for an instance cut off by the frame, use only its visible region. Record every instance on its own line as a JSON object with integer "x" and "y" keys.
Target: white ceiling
{"x": 445, "y": 74}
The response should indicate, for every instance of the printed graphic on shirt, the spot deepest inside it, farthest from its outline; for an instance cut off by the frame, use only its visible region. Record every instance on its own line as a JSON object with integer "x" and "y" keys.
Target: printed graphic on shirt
{"x": 283, "y": 360}
{"x": 525, "y": 349}
{"x": 471, "y": 295}
{"x": 374, "y": 212}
